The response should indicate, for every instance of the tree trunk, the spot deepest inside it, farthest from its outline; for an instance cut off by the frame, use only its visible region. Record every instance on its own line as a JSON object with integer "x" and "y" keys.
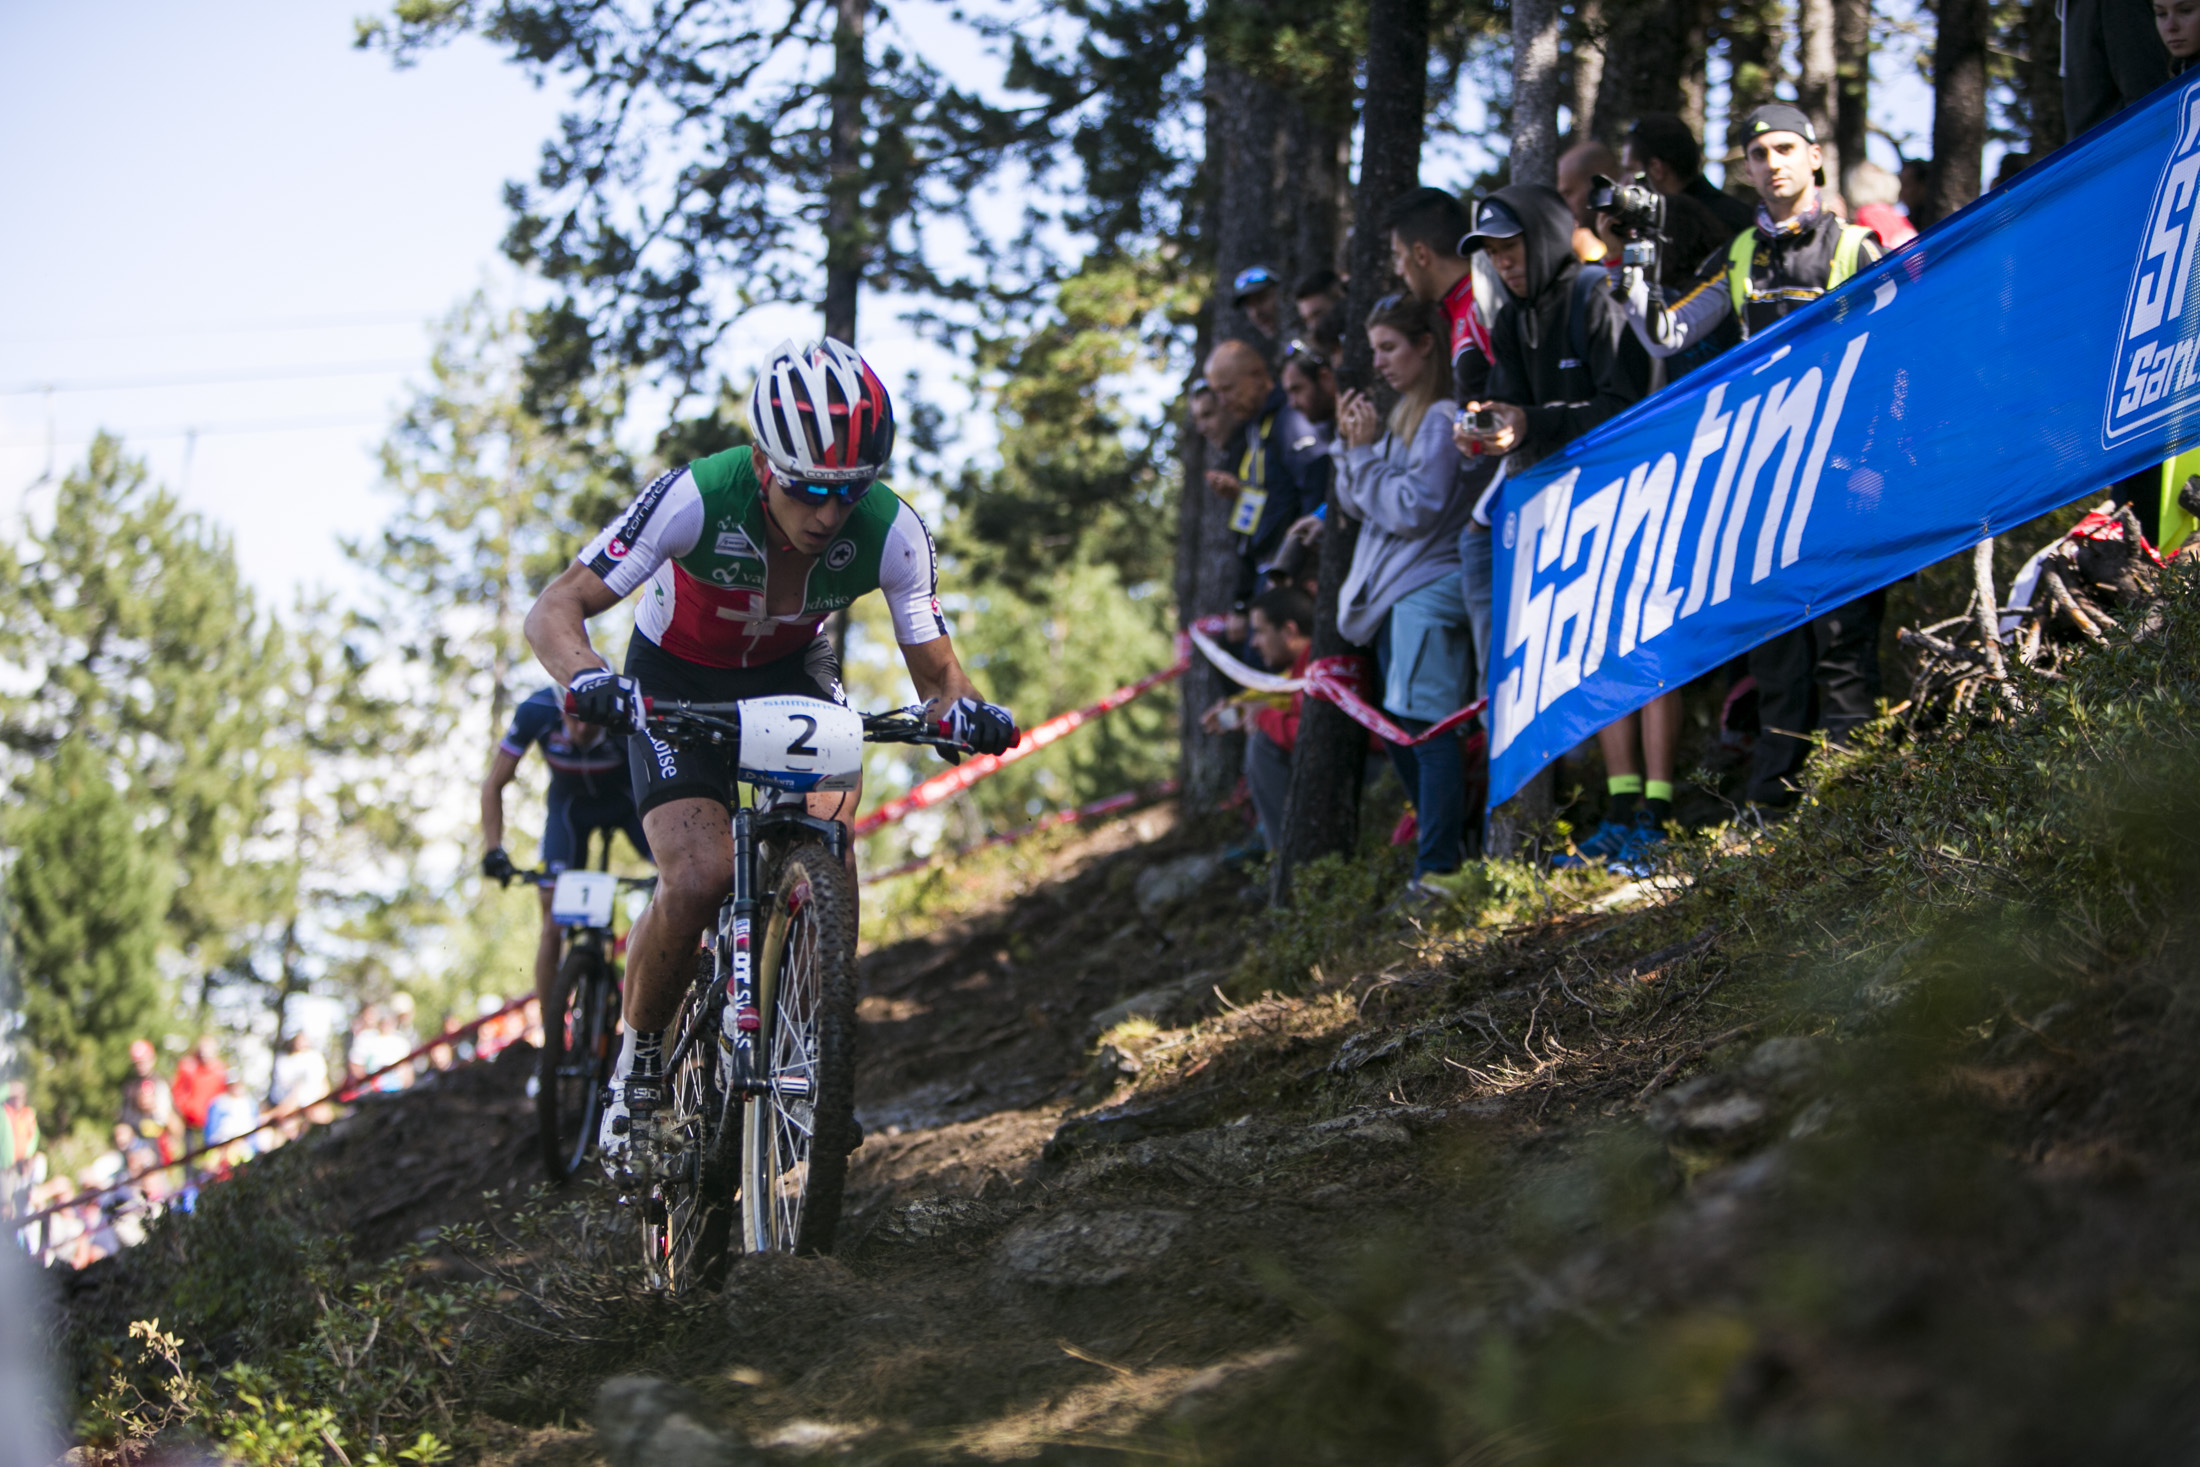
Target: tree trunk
{"x": 1274, "y": 178}
{"x": 2039, "y": 80}
{"x": 1753, "y": 54}
{"x": 1585, "y": 74}
{"x": 1653, "y": 62}
{"x": 844, "y": 241}
{"x": 1852, "y": 70}
{"x": 1323, "y": 811}
{"x": 1815, "y": 70}
{"x": 1959, "y": 104}
{"x": 1534, "y": 157}
{"x": 1519, "y": 827}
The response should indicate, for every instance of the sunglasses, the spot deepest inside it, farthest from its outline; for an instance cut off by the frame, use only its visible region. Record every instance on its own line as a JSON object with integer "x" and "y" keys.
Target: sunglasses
{"x": 1299, "y": 351}
{"x": 812, "y": 493}
{"x": 1389, "y": 302}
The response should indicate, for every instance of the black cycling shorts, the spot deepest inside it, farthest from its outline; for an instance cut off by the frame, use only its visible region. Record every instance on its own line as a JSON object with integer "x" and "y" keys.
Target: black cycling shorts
{"x": 574, "y": 817}
{"x": 671, "y": 770}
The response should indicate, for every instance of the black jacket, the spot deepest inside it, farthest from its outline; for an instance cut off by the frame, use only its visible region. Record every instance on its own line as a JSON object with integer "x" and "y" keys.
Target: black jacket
{"x": 1284, "y": 455}
{"x": 1788, "y": 269}
{"x": 1536, "y": 366}
{"x": 1734, "y": 213}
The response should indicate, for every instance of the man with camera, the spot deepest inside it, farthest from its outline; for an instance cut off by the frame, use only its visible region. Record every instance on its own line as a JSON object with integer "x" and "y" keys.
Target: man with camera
{"x": 1562, "y": 362}
{"x": 1661, "y": 150}
{"x": 1825, "y": 673}
{"x": 1793, "y": 252}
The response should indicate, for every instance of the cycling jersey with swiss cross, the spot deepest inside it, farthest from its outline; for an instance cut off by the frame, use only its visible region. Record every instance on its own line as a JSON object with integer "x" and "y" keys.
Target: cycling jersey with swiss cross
{"x": 697, "y": 537}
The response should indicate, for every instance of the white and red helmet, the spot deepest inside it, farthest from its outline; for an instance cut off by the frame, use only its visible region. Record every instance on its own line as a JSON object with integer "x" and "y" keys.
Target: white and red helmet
{"x": 820, "y": 415}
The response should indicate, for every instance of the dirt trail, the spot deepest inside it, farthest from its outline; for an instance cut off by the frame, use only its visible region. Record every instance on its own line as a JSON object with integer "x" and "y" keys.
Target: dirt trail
{"x": 1312, "y": 1228}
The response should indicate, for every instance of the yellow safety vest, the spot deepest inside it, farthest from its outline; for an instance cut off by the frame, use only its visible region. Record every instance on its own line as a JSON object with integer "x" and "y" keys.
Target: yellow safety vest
{"x": 1848, "y": 252}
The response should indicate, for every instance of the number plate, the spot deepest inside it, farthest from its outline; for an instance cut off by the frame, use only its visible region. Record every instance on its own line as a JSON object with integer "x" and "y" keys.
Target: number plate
{"x": 800, "y": 744}
{"x": 583, "y": 898}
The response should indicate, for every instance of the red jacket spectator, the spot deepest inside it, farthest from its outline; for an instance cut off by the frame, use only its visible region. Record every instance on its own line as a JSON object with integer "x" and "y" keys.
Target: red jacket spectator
{"x": 1282, "y": 724}
{"x": 1891, "y": 225}
{"x": 200, "y": 1076}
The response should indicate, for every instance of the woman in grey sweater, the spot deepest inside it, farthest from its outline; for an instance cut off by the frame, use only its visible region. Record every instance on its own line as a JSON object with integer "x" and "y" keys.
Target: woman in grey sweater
{"x": 1403, "y": 592}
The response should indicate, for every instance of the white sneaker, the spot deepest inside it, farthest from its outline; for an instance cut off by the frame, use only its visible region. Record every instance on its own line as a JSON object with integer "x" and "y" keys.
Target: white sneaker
{"x": 633, "y": 1100}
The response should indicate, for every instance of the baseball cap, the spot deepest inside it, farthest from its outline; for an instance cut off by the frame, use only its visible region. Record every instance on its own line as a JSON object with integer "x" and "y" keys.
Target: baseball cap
{"x": 1252, "y": 282}
{"x": 1493, "y": 219}
{"x": 1778, "y": 117}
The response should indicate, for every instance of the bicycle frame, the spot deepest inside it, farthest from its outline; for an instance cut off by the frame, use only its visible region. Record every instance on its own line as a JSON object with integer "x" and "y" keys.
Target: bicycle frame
{"x": 734, "y": 972}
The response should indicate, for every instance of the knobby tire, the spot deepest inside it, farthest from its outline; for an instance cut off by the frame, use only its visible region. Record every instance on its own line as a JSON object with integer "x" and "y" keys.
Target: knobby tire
{"x": 569, "y": 1091}
{"x": 795, "y": 1145}
{"x": 688, "y": 1216}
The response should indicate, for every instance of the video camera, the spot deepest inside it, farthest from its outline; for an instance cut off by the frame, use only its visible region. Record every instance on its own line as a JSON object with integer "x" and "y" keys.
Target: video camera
{"x": 1637, "y": 211}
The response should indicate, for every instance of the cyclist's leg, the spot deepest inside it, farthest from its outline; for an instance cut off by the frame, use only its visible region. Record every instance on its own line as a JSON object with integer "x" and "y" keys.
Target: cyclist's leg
{"x": 692, "y": 840}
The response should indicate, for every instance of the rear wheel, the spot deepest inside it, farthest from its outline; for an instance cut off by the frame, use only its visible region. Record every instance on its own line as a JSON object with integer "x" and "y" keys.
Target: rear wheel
{"x": 576, "y": 1037}
{"x": 687, "y": 1210}
{"x": 797, "y": 1136}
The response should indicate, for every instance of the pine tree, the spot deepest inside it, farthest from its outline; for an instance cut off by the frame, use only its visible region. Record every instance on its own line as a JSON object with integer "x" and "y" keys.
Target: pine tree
{"x": 141, "y": 639}
{"x": 87, "y": 896}
{"x": 709, "y": 149}
{"x": 492, "y": 502}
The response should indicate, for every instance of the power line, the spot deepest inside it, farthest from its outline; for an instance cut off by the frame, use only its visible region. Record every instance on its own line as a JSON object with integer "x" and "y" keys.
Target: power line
{"x": 197, "y": 379}
{"x": 216, "y": 430}
{"x": 241, "y": 328}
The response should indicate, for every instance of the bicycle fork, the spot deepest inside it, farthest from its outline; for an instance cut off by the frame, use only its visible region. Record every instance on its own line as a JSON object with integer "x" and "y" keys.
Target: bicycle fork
{"x": 742, "y": 1022}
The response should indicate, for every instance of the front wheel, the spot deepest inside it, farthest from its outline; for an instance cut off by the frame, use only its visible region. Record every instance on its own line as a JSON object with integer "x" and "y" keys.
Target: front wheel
{"x": 577, "y": 1032}
{"x": 796, "y": 1137}
{"x": 687, "y": 1209}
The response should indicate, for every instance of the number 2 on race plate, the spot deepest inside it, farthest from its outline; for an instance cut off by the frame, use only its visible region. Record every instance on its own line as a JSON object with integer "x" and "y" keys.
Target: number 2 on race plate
{"x": 800, "y": 744}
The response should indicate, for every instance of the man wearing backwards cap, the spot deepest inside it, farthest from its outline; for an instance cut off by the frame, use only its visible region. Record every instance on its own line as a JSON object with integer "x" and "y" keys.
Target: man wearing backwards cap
{"x": 1825, "y": 673}
{"x": 1796, "y": 251}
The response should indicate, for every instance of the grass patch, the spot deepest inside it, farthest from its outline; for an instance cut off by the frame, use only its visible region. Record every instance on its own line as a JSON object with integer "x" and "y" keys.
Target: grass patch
{"x": 1917, "y": 1184}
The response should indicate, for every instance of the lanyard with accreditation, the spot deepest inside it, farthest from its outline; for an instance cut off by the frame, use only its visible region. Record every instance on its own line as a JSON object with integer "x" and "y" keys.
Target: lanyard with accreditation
{"x": 1252, "y": 471}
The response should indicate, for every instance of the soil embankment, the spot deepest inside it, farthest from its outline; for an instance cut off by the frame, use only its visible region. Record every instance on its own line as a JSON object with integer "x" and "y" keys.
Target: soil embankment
{"x": 1870, "y": 1137}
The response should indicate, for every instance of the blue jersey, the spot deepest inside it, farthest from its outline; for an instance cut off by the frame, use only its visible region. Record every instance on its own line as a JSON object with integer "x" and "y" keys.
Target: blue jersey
{"x": 590, "y": 771}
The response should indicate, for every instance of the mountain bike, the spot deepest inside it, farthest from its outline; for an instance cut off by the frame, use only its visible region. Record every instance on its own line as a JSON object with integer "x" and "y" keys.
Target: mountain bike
{"x": 759, "y": 1112}
{"x": 580, "y": 1020}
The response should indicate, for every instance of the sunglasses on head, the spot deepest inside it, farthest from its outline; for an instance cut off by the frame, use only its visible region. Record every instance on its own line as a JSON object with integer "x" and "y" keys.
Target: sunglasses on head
{"x": 1391, "y": 301}
{"x": 1299, "y": 351}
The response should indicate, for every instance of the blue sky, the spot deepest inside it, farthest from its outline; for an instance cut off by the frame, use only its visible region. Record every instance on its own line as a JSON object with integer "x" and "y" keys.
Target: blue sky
{"x": 233, "y": 192}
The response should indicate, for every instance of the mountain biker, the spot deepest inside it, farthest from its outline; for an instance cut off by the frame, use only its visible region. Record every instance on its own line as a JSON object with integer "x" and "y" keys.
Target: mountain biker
{"x": 590, "y": 790}
{"x": 740, "y": 557}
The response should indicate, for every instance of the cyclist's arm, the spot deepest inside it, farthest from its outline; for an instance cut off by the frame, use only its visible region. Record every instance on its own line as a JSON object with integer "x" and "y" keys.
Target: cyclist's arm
{"x": 557, "y": 624}
{"x": 664, "y": 521}
{"x": 501, "y": 770}
{"x": 909, "y": 578}
{"x": 938, "y": 674}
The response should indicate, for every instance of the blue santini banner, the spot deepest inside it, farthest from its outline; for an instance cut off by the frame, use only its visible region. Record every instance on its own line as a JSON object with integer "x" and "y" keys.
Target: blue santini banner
{"x": 2033, "y": 348}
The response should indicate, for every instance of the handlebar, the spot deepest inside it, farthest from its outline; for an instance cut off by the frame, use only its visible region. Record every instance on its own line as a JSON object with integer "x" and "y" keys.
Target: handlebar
{"x": 723, "y": 720}
{"x": 542, "y": 877}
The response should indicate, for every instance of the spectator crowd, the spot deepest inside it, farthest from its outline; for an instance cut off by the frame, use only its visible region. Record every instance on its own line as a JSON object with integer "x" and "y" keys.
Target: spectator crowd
{"x": 172, "y": 1134}
{"x": 1528, "y": 317}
